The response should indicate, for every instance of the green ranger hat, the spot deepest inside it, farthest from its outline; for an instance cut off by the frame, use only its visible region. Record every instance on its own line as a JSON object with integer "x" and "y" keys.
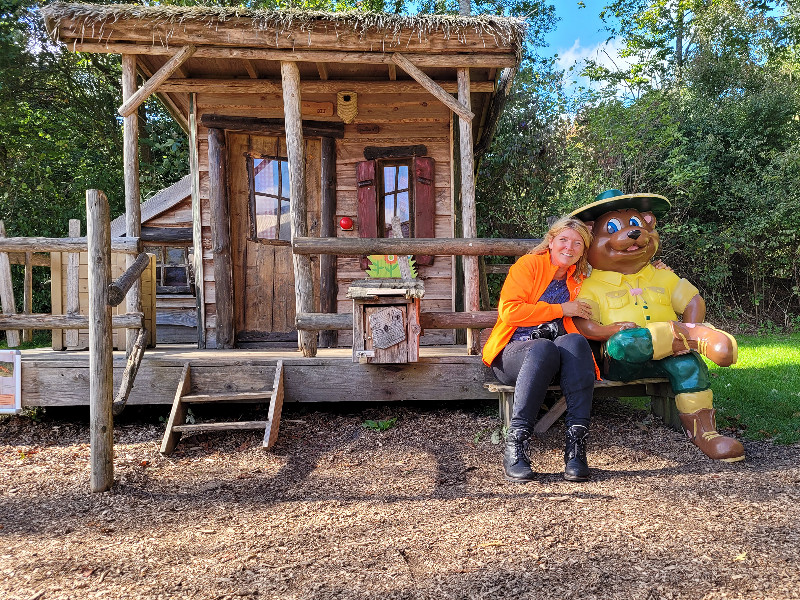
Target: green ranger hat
{"x": 616, "y": 200}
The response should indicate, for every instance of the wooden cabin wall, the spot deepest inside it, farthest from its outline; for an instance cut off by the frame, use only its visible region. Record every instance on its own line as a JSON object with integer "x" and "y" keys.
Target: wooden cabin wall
{"x": 383, "y": 120}
{"x": 176, "y": 314}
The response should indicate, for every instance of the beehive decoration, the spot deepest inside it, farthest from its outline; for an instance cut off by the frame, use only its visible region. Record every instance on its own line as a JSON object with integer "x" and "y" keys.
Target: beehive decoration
{"x": 347, "y": 106}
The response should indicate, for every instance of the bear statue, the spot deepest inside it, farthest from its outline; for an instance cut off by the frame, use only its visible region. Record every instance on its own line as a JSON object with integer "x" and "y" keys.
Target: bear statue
{"x": 636, "y": 309}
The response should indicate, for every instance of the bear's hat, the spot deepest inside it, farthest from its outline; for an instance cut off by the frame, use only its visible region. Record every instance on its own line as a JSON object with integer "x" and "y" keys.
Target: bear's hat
{"x": 616, "y": 200}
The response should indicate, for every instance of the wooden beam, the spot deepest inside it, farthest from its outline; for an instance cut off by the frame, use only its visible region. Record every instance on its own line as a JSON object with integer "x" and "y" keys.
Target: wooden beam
{"x": 392, "y": 72}
{"x": 101, "y": 356}
{"x": 429, "y": 84}
{"x": 68, "y": 322}
{"x": 27, "y": 294}
{"x": 118, "y": 288}
{"x": 73, "y": 289}
{"x": 197, "y": 223}
{"x": 472, "y": 301}
{"x": 428, "y": 320}
{"x": 436, "y": 246}
{"x": 166, "y": 234}
{"x": 273, "y": 126}
{"x": 172, "y": 107}
{"x": 221, "y": 236}
{"x": 328, "y": 288}
{"x": 251, "y": 70}
{"x": 322, "y": 69}
{"x": 272, "y": 86}
{"x": 295, "y": 147}
{"x": 131, "y": 103}
{"x": 7, "y": 292}
{"x": 133, "y": 209}
{"x": 499, "y": 59}
{"x": 76, "y": 244}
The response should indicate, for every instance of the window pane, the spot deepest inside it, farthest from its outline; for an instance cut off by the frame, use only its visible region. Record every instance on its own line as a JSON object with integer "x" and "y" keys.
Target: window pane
{"x": 286, "y": 222}
{"x": 388, "y": 213}
{"x": 265, "y": 173}
{"x": 402, "y": 179}
{"x": 285, "y": 179}
{"x": 402, "y": 207}
{"x": 175, "y": 276}
{"x": 176, "y": 256}
{"x": 389, "y": 174}
{"x": 266, "y": 218}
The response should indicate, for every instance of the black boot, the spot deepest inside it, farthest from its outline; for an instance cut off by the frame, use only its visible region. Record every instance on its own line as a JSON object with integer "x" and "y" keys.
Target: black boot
{"x": 515, "y": 459}
{"x": 575, "y": 466}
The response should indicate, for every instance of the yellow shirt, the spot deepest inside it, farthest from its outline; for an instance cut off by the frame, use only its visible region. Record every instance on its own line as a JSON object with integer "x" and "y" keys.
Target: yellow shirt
{"x": 649, "y": 296}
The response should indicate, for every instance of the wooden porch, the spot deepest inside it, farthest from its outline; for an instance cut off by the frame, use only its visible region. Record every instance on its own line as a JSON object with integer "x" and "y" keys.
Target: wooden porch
{"x": 52, "y": 378}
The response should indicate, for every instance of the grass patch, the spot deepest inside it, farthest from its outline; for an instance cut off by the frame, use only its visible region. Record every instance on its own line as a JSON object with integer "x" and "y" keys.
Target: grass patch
{"x": 760, "y": 394}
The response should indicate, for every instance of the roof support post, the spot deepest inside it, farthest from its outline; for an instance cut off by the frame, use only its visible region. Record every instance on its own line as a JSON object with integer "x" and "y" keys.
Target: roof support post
{"x": 221, "y": 236}
{"x": 131, "y": 102}
{"x": 468, "y": 219}
{"x": 295, "y": 147}
{"x": 457, "y": 106}
{"x": 133, "y": 211}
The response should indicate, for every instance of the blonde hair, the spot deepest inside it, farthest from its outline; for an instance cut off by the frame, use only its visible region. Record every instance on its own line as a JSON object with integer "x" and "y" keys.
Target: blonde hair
{"x": 582, "y": 266}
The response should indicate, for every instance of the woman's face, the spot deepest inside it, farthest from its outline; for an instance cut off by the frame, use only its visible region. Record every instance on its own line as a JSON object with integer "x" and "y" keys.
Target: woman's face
{"x": 566, "y": 248}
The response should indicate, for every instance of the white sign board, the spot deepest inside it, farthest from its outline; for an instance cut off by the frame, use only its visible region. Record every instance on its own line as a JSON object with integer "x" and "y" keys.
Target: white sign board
{"x": 10, "y": 381}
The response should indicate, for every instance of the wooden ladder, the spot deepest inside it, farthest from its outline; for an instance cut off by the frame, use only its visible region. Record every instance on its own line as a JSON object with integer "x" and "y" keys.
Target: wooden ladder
{"x": 177, "y": 425}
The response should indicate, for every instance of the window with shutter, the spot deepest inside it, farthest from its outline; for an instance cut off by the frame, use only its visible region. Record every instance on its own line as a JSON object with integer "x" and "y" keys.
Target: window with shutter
{"x": 397, "y": 187}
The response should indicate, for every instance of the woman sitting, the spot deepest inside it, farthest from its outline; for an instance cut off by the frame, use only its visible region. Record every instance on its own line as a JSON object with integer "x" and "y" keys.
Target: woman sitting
{"x": 534, "y": 340}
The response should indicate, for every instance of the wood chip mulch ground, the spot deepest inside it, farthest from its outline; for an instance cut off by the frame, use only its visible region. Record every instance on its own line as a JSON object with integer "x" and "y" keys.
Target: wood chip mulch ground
{"x": 337, "y": 510}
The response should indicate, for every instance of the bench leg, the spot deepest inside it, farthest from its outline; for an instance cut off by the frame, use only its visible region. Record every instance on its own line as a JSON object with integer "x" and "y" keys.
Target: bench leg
{"x": 506, "y": 407}
{"x": 551, "y": 416}
{"x": 662, "y": 404}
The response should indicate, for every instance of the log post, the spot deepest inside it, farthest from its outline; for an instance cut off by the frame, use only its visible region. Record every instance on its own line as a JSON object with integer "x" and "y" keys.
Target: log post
{"x": 221, "y": 236}
{"x": 197, "y": 227}
{"x": 101, "y": 421}
{"x": 303, "y": 282}
{"x": 7, "y": 292}
{"x": 73, "y": 274}
{"x": 133, "y": 212}
{"x": 471, "y": 274}
{"x": 27, "y": 295}
{"x": 328, "y": 338}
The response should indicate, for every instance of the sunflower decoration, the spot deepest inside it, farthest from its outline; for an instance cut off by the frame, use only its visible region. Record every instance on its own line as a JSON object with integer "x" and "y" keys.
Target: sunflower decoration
{"x": 386, "y": 266}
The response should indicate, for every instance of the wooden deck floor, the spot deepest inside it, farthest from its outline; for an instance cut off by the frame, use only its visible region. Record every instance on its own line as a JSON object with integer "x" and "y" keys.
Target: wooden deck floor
{"x": 51, "y": 378}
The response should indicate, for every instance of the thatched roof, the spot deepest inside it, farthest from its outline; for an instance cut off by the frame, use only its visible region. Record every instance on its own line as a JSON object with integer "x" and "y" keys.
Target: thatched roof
{"x": 494, "y": 30}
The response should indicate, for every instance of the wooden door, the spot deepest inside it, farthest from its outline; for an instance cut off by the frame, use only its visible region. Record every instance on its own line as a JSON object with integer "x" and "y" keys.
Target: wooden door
{"x": 263, "y": 275}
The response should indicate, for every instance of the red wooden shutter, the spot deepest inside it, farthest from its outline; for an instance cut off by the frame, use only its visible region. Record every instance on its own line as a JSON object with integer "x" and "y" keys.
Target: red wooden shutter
{"x": 367, "y": 203}
{"x": 424, "y": 203}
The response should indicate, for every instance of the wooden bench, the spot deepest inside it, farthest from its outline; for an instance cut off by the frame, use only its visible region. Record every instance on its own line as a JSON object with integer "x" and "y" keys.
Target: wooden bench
{"x": 662, "y": 400}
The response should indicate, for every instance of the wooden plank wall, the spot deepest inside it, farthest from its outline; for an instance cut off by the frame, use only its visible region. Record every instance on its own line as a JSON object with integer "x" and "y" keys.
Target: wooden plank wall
{"x": 58, "y": 289}
{"x": 383, "y": 120}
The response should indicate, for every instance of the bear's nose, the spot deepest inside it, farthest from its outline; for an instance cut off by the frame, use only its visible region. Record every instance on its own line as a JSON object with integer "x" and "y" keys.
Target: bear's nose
{"x": 634, "y": 234}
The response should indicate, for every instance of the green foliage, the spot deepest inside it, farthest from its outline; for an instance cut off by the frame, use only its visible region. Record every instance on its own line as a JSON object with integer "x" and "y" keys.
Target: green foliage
{"x": 382, "y": 425}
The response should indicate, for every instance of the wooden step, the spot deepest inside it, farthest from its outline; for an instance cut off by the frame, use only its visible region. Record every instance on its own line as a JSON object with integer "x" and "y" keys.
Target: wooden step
{"x": 228, "y": 397}
{"x": 220, "y": 426}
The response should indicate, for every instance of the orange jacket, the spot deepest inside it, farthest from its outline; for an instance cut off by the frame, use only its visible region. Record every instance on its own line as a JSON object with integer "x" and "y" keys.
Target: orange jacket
{"x": 519, "y": 304}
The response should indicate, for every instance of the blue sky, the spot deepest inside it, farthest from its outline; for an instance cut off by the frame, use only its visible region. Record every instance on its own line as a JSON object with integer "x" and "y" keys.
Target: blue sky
{"x": 579, "y": 35}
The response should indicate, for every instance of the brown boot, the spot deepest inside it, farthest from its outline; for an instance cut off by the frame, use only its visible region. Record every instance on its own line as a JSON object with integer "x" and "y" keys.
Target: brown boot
{"x": 701, "y": 429}
{"x": 716, "y": 345}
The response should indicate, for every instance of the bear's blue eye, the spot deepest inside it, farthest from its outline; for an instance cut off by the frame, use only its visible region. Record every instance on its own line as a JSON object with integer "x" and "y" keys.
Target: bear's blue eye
{"x": 613, "y": 226}
{"x": 636, "y": 221}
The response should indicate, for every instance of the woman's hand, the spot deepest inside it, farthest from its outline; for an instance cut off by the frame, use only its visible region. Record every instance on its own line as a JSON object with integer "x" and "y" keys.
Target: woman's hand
{"x": 577, "y": 308}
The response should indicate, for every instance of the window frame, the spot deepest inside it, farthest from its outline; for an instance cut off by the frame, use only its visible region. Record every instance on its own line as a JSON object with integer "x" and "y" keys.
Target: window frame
{"x": 381, "y": 200}
{"x": 172, "y": 290}
{"x": 250, "y": 158}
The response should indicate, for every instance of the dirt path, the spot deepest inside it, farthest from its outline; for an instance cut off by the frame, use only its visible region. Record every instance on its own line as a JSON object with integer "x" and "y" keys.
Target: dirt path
{"x": 419, "y": 511}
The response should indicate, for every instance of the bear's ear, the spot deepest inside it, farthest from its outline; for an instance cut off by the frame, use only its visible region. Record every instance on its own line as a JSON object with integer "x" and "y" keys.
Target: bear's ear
{"x": 650, "y": 219}
{"x": 589, "y": 224}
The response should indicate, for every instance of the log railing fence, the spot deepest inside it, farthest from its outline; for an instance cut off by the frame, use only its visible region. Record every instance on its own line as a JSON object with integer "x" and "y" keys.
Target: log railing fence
{"x": 103, "y": 294}
{"x": 472, "y": 320}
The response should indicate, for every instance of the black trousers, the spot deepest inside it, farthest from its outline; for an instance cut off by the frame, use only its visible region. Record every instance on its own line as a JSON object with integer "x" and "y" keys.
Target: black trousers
{"x": 532, "y": 365}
